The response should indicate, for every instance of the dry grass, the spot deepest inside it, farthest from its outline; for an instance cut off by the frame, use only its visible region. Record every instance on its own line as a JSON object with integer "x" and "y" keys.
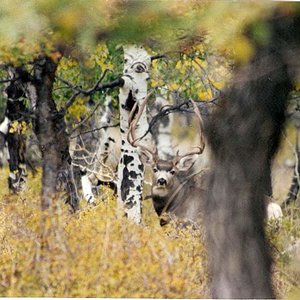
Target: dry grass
{"x": 93, "y": 253}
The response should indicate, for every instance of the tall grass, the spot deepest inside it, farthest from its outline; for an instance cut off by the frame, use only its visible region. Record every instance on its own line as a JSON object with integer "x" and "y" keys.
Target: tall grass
{"x": 94, "y": 253}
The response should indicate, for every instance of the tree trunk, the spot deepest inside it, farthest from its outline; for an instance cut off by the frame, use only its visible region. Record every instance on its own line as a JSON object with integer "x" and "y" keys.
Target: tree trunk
{"x": 243, "y": 138}
{"x": 15, "y": 133}
{"x": 131, "y": 169}
{"x": 4, "y": 125}
{"x": 163, "y": 130}
{"x": 50, "y": 128}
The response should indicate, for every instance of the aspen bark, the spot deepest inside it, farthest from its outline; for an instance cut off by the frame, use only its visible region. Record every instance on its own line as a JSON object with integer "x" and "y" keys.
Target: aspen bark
{"x": 131, "y": 169}
{"x": 15, "y": 137}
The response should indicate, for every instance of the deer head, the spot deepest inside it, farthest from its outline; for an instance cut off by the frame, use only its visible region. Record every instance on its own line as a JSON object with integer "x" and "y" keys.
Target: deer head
{"x": 167, "y": 174}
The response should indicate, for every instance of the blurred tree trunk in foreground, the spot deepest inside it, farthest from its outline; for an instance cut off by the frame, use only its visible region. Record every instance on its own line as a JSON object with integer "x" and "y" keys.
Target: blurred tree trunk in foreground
{"x": 243, "y": 141}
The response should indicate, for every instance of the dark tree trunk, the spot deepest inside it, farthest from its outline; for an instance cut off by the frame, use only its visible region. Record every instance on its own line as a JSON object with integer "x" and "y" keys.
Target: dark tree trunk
{"x": 50, "y": 128}
{"x": 244, "y": 137}
{"x": 16, "y": 144}
{"x": 15, "y": 137}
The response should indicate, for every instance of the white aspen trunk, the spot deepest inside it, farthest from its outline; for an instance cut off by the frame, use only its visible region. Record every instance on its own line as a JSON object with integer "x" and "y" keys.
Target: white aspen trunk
{"x": 15, "y": 140}
{"x": 3, "y": 132}
{"x": 131, "y": 169}
{"x": 100, "y": 152}
{"x": 163, "y": 135}
{"x": 30, "y": 91}
{"x": 106, "y": 140}
{"x": 87, "y": 189}
{"x": 4, "y": 126}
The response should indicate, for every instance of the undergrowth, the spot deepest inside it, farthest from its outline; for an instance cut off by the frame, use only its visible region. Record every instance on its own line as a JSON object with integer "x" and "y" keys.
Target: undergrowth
{"x": 94, "y": 253}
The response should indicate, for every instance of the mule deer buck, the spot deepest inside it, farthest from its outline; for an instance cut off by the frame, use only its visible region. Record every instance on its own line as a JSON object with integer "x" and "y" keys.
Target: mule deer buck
{"x": 177, "y": 187}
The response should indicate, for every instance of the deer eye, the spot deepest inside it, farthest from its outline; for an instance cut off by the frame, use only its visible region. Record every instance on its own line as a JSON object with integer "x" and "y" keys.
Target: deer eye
{"x": 155, "y": 170}
{"x": 172, "y": 172}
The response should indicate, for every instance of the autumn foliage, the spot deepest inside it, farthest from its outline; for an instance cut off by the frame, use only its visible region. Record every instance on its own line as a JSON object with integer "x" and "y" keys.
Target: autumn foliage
{"x": 93, "y": 253}
{"x": 96, "y": 254}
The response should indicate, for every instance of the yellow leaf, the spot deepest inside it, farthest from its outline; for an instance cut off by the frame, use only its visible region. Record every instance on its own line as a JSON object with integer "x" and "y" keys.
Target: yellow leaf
{"x": 173, "y": 86}
{"x": 242, "y": 49}
{"x": 205, "y": 95}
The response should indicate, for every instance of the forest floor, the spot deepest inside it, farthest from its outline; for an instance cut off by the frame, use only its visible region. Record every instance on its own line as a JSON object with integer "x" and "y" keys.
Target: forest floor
{"x": 95, "y": 253}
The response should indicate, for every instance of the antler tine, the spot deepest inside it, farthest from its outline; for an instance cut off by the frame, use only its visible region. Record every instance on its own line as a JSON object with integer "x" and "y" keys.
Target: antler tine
{"x": 201, "y": 136}
{"x": 131, "y": 137}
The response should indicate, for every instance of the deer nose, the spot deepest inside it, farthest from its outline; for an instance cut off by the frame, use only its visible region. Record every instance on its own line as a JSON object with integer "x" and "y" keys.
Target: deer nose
{"x": 162, "y": 181}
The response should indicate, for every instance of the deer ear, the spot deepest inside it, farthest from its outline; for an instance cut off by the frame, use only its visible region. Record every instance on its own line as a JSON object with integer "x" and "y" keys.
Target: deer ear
{"x": 146, "y": 157}
{"x": 186, "y": 162}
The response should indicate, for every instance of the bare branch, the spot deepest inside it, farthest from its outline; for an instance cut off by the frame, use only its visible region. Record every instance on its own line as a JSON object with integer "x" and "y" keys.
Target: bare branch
{"x": 158, "y": 56}
{"x": 95, "y": 129}
{"x": 97, "y": 87}
{"x": 85, "y": 119}
{"x": 9, "y": 80}
{"x": 70, "y": 102}
{"x": 164, "y": 111}
{"x": 168, "y": 109}
{"x": 213, "y": 88}
{"x": 4, "y": 66}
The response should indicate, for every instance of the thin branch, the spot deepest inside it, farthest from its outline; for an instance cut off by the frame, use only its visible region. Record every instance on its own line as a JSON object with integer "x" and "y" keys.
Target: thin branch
{"x": 70, "y": 102}
{"x": 97, "y": 87}
{"x": 28, "y": 114}
{"x": 158, "y": 56}
{"x": 164, "y": 111}
{"x": 213, "y": 88}
{"x": 9, "y": 80}
{"x": 95, "y": 129}
{"x": 98, "y": 82}
{"x": 85, "y": 119}
{"x": 4, "y": 66}
{"x": 168, "y": 109}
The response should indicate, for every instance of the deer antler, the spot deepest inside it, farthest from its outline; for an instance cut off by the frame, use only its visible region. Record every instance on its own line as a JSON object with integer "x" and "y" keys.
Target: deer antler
{"x": 131, "y": 137}
{"x": 201, "y": 145}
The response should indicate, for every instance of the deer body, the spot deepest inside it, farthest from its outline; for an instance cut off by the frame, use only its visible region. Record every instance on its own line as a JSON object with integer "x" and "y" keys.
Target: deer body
{"x": 177, "y": 188}
{"x": 177, "y": 193}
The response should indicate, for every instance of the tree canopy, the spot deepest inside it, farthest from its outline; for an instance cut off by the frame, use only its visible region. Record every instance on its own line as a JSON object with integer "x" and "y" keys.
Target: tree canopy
{"x": 29, "y": 27}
